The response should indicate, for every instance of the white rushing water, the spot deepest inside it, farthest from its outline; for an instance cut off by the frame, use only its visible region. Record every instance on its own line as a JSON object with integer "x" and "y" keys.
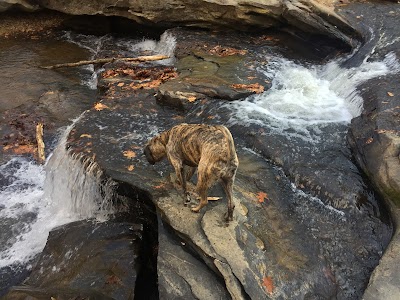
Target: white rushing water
{"x": 302, "y": 97}
{"x": 63, "y": 191}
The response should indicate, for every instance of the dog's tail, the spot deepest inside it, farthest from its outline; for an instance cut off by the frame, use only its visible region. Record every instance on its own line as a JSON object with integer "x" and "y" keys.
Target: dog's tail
{"x": 229, "y": 138}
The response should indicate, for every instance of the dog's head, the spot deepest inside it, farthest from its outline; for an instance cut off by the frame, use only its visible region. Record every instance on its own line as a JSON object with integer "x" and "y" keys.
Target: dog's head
{"x": 155, "y": 150}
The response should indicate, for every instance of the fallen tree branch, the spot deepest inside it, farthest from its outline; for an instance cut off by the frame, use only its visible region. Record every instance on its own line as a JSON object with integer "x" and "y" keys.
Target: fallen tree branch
{"x": 107, "y": 60}
{"x": 40, "y": 143}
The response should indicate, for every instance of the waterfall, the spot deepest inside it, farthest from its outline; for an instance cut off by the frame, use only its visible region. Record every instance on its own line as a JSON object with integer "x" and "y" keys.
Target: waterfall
{"x": 38, "y": 199}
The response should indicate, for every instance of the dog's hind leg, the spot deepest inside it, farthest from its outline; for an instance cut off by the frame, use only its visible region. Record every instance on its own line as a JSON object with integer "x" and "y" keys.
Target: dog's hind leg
{"x": 189, "y": 172}
{"x": 227, "y": 183}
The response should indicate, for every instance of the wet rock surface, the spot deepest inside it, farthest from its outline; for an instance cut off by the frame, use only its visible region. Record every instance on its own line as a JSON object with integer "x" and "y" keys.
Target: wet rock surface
{"x": 375, "y": 135}
{"x": 282, "y": 242}
{"x": 86, "y": 259}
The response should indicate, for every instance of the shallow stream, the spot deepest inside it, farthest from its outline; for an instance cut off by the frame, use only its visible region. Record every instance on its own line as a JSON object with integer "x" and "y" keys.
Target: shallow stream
{"x": 307, "y": 102}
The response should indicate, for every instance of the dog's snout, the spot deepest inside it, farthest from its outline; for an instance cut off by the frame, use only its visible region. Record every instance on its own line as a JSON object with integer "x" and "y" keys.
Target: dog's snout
{"x": 149, "y": 156}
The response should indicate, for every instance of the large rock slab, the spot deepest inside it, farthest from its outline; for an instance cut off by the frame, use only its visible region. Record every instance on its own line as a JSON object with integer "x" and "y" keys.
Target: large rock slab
{"x": 282, "y": 242}
{"x": 24, "y": 5}
{"x": 308, "y": 16}
{"x": 375, "y": 135}
{"x": 85, "y": 259}
{"x": 181, "y": 275}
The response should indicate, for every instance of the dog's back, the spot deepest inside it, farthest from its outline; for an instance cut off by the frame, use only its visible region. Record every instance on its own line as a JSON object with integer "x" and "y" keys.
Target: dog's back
{"x": 196, "y": 141}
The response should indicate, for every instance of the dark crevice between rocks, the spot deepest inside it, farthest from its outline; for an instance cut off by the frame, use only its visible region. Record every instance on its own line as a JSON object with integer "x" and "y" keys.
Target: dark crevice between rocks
{"x": 140, "y": 209}
{"x": 101, "y": 25}
{"x": 383, "y": 206}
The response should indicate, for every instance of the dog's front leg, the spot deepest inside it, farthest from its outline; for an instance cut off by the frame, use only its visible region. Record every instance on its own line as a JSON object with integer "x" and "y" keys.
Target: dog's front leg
{"x": 227, "y": 183}
{"x": 203, "y": 183}
{"x": 180, "y": 174}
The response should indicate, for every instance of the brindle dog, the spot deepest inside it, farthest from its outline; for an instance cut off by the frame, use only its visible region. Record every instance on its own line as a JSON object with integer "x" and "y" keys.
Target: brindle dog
{"x": 209, "y": 148}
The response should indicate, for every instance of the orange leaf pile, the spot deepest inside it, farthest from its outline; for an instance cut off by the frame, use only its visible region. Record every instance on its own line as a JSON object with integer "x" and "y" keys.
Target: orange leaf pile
{"x": 255, "y": 87}
{"x": 226, "y": 51}
{"x": 142, "y": 78}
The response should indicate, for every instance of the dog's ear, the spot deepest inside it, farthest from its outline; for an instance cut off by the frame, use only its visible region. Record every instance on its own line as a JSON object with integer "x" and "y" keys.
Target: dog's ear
{"x": 149, "y": 156}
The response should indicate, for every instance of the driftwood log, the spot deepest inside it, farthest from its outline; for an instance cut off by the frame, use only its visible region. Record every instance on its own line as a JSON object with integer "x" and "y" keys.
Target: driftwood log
{"x": 108, "y": 60}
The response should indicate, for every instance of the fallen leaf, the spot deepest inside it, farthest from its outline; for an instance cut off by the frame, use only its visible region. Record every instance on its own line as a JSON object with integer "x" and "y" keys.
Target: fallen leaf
{"x": 86, "y": 135}
{"x": 269, "y": 284}
{"x": 129, "y": 154}
{"x": 20, "y": 149}
{"x": 390, "y": 94}
{"x": 131, "y": 168}
{"x": 113, "y": 280}
{"x": 160, "y": 186}
{"x": 261, "y": 196}
{"x": 191, "y": 98}
{"x": 100, "y": 106}
{"x": 121, "y": 84}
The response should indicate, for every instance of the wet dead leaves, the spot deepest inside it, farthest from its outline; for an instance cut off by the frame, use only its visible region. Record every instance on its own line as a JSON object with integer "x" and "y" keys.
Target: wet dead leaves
{"x": 136, "y": 78}
{"x": 254, "y": 87}
{"x": 21, "y": 132}
{"x": 226, "y": 51}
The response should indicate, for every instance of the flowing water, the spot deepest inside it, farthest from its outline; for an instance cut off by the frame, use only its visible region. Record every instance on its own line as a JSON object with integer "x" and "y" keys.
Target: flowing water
{"x": 305, "y": 98}
{"x": 34, "y": 199}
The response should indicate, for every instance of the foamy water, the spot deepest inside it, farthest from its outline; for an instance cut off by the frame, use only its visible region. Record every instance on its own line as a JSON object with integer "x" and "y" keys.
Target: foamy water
{"x": 64, "y": 190}
{"x": 304, "y": 98}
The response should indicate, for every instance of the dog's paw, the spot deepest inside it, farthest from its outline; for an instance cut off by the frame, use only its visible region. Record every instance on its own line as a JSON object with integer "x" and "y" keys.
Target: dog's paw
{"x": 228, "y": 217}
{"x": 195, "y": 208}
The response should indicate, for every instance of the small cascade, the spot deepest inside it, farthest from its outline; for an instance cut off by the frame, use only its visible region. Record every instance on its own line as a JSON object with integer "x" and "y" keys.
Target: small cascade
{"x": 304, "y": 99}
{"x": 38, "y": 199}
{"x": 76, "y": 186}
